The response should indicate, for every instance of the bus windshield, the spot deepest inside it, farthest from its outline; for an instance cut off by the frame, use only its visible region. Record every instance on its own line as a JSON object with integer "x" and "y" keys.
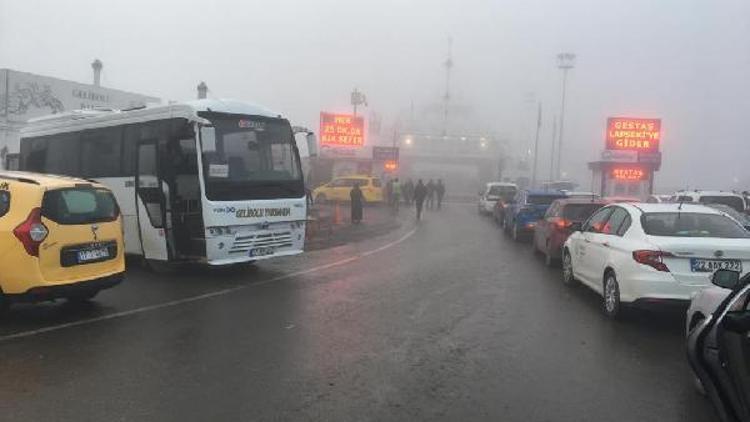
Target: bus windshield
{"x": 251, "y": 157}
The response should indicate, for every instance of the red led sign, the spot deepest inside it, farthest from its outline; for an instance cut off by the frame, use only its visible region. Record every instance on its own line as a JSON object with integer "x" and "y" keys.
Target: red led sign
{"x": 341, "y": 130}
{"x": 633, "y": 134}
{"x": 628, "y": 173}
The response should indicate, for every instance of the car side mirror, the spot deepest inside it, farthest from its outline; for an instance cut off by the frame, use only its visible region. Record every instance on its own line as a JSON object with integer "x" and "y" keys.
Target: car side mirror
{"x": 312, "y": 145}
{"x": 727, "y": 279}
{"x": 576, "y": 226}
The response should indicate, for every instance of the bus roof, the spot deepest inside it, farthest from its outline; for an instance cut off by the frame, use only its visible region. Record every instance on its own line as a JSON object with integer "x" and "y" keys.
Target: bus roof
{"x": 89, "y": 119}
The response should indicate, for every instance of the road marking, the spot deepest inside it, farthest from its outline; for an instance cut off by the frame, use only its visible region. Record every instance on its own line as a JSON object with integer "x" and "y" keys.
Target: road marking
{"x": 204, "y": 296}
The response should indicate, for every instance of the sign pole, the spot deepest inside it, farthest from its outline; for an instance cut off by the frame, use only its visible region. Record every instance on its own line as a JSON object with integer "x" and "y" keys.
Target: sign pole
{"x": 536, "y": 145}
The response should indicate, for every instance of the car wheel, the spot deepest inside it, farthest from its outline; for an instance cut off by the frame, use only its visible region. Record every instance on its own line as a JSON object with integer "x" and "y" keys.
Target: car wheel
{"x": 515, "y": 235}
{"x": 82, "y": 297}
{"x": 548, "y": 260}
{"x": 611, "y": 296}
{"x": 567, "y": 269}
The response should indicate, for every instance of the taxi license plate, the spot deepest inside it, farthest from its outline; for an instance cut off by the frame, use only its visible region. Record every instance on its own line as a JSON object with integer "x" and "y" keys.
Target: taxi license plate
{"x": 92, "y": 254}
{"x": 261, "y": 251}
{"x": 698, "y": 265}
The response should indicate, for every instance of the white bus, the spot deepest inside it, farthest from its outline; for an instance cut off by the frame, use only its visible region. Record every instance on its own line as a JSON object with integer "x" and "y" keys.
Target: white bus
{"x": 211, "y": 181}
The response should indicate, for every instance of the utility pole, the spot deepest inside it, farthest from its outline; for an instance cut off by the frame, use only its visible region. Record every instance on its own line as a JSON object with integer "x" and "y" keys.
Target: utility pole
{"x": 565, "y": 62}
{"x": 358, "y": 98}
{"x": 536, "y": 145}
{"x": 552, "y": 153}
{"x": 447, "y": 97}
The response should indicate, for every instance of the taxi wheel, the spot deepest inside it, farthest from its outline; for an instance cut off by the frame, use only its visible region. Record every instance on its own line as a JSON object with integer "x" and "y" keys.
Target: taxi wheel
{"x": 83, "y": 297}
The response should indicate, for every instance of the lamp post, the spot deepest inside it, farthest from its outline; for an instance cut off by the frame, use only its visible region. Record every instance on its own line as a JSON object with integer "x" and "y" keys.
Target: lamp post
{"x": 358, "y": 98}
{"x": 565, "y": 62}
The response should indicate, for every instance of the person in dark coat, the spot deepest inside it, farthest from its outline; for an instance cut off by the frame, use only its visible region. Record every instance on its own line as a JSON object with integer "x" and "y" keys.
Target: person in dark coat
{"x": 357, "y": 199}
{"x": 420, "y": 192}
{"x": 408, "y": 192}
{"x": 440, "y": 192}
{"x": 430, "y": 194}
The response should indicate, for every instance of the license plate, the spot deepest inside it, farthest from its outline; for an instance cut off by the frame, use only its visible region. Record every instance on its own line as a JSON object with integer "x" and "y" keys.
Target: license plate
{"x": 261, "y": 251}
{"x": 699, "y": 265}
{"x": 92, "y": 254}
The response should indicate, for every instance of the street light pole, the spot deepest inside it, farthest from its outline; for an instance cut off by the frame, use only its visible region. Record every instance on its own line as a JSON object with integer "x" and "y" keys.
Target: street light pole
{"x": 565, "y": 62}
{"x": 536, "y": 145}
{"x": 552, "y": 152}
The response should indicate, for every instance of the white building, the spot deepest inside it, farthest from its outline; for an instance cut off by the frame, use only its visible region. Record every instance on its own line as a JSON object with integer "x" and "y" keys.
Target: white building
{"x": 24, "y": 96}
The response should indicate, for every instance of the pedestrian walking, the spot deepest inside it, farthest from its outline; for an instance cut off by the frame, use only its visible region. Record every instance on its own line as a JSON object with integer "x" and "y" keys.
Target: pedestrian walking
{"x": 389, "y": 193}
{"x": 408, "y": 192}
{"x": 430, "y": 194}
{"x": 420, "y": 192}
{"x": 356, "y": 200}
{"x": 440, "y": 192}
{"x": 396, "y": 189}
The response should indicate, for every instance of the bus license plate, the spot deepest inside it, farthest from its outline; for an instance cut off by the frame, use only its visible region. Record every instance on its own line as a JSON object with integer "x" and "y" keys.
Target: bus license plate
{"x": 699, "y": 265}
{"x": 261, "y": 251}
{"x": 93, "y": 254}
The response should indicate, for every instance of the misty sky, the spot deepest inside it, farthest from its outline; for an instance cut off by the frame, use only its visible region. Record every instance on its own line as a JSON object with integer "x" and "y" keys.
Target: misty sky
{"x": 685, "y": 61}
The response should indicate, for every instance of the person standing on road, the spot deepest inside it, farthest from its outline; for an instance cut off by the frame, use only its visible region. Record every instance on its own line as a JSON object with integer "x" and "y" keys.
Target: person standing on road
{"x": 420, "y": 192}
{"x": 396, "y": 194}
{"x": 389, "y": 192}
{"x": 408, "y": 192}
{"x": 430, "y": 194}
{"x": 440, "y": 191}
{"x": 356, "y": 199}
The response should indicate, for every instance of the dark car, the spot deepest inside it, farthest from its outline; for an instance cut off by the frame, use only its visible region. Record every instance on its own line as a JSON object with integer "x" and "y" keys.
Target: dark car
{"x": 529, "y": 206}
{"x": 551, "y": 232}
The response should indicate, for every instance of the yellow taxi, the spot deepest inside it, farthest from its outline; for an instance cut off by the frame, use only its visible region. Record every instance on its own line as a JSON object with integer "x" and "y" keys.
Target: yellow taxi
{"x": 339, "y": 188}
{"x": 60, "y": 237}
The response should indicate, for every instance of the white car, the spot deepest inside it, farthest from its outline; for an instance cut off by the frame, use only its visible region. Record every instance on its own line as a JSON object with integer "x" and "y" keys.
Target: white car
{"x": 639, "y": 253}
{"x": 733, "y": 199}
{"x": 493, "y": 192}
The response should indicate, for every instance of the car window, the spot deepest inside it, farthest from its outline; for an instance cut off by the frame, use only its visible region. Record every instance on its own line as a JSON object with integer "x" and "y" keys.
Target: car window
{"x": 542, "y": 199}
{"x": 579, "y": 212}
{"x": 4, "y": 202}
{"x": 624, "y": 226}
{"x": 596, "y": 222}
{"x": 552, "y": 211}
{"x": 692, "y": 224}
{"x": 614, "y": 221}
{"x": 735, "y": 202}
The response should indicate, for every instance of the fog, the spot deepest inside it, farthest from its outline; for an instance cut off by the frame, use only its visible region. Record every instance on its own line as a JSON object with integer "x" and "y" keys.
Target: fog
{"x": 684, "y": 61}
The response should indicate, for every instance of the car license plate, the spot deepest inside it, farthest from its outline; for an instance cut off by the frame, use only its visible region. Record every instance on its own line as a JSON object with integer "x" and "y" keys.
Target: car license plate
{"x": 261, "y": 251}
{"x": 700, "y": 265}
{"x": 93, "y": 254}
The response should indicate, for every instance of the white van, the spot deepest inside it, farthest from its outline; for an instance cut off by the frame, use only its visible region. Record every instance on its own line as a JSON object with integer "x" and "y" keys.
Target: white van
{"x": 732, "y": 199}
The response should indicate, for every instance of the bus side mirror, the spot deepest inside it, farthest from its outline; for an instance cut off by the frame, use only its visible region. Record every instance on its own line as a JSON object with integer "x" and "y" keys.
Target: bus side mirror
{"x": 312, "y": 145}
{"x": 208, "y": 139}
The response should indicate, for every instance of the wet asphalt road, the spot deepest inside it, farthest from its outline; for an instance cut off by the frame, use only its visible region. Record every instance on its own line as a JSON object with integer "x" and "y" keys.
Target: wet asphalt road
{"x": 453, "y": 323}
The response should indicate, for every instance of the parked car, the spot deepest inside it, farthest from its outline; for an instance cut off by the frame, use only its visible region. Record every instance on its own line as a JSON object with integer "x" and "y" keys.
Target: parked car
{"x": 494, "y": 192}
{"x": 733, "y": 199}
{"x": 658, "y": 199}
{"x": 638, "y": 253}
{"x": 529, "y": 206}
{"x": 61, "y": 238}
{"x": 551, "y": 232}
{"x": 339, "y": 188}
{"x": 718, "y": 344}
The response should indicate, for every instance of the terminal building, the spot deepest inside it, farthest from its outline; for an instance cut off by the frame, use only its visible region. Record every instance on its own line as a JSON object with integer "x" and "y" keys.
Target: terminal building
{"x": 24, "y": 96}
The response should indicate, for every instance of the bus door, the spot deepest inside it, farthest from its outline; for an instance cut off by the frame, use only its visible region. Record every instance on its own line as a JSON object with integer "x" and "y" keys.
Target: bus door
{"x": 151, "y": 203}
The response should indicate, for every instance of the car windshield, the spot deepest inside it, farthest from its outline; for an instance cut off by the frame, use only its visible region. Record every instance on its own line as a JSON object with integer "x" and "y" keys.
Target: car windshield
{"x": 80, "y": 206}
{"x": 542, "y": 199}
{"x": 252, "y": 157}
{"x": 733, "y": 201}
{"x": 580, "y": 212}
{"x": 502, "y": 191}
{"x": 691, "y": 224}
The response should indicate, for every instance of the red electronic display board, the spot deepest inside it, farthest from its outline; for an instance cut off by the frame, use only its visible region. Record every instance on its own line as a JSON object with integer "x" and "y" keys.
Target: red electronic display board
{"x": 633, "y": 134}
{"x": 341, "y": 130}
{"x": 634, "y": 173}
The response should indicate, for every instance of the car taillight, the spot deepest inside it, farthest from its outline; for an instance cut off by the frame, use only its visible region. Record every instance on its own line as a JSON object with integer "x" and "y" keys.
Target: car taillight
{"x": 32, "y": 232}
{"x": 653, "y": 259}
{"x": 561, "y": 223}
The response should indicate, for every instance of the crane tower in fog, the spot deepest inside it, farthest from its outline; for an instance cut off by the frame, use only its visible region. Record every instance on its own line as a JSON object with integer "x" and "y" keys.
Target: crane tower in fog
{"x": 448, "y": 64}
